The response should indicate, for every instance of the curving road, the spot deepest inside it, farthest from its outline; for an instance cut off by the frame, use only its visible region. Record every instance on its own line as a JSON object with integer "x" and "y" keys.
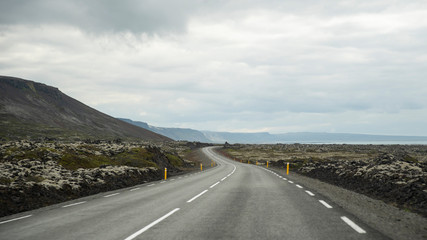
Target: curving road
{"x": 230, "y": 201}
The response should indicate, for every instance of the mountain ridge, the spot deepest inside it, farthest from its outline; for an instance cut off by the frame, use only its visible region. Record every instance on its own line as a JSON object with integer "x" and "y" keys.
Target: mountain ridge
{"x": 30, "y": 109}
{"x": 188, "y": 134}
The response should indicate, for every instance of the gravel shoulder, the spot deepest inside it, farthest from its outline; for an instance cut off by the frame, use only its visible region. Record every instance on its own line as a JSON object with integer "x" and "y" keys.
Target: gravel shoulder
{"x": 389, "y": 220}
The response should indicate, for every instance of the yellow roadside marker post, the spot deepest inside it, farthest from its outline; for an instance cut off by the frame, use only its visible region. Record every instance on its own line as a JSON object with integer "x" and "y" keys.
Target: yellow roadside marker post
{"x": 287, "y": 169}
{"x": 267, "y": 164}
{"x": 201, "y": 167}
{"x": 166, "y": 173}
{"x": 257, "y": 163}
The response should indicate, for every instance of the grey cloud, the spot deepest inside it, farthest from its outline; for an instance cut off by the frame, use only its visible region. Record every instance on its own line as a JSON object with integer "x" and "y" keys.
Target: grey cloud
{"x": 100, "y": 16}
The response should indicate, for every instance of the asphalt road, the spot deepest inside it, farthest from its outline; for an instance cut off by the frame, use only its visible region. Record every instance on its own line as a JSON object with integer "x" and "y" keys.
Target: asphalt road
{"x": 231, "y": 201}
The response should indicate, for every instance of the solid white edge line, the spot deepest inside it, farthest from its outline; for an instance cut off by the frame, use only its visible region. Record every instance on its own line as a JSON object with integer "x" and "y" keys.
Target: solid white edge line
{"x": 325, "y": 204}
{"x": 134, "y": 189}
{"x": 151, "y": 185}
{"x": 223, "y": 178}
{"x": 151, "y": 225}
{"x": 114, "y": 194}
{"x": 198, "y": 195}
{"x": 214, "y": 184}
{"x": 299, "y": 186}
{"x": 309, "y": 193}
{"x": 353, "y": 225}
{"x": 11, "y": 220}
{"x": 73, "y": 204}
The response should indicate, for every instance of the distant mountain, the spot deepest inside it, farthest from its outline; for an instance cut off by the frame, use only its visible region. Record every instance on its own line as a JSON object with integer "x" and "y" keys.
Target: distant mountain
{"x": 31, "y": 109}
{"x": 265, "y": 137}
{"x": 177, "y": 134}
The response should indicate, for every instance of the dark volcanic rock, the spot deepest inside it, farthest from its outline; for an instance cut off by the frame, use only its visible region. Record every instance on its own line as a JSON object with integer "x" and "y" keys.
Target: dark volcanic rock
{"x": 394, "y": 178}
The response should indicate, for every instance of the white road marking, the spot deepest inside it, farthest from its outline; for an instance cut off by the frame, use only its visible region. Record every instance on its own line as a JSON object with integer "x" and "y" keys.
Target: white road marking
{"x": 73, "y": 204}
{"x": 134, "y": 189}
{"x": 290, "y": 182}
{"x": 309, "y": 193}
{"x": 325, "y": 204}
{"x": 198, "y": 195}
{"x": 151, "y": 225}
{"x": 11, "y": 220}
{"x": 114, "y": 194}
{"x": 353, "y": 225}
{"x": 179, "y": 177}
{"x": 223, "y": 178}
{"x": 172, "y": 179}
{"x": 162, "y": 182}
{"x": 151, "y": 185}
{"x": 285, "y": 179}
{"x": 299, "y": 186}
{"x": 214, "y": 185}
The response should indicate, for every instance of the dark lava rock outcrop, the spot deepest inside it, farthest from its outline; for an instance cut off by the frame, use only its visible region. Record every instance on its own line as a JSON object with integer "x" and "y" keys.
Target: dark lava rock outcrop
{"x": 33, "y": 174}
{"x": 395, "y": 178}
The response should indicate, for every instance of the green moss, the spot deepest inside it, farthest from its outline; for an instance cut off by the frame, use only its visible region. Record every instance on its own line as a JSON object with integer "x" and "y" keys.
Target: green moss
{"x": 36, "y": 179}
{"x": 73, "y": 161}
{"x": 408, "y": 158}
{"x": 5, "y": 181}
{"x": 175, "y": 160}
{"x": 136, "y": 157}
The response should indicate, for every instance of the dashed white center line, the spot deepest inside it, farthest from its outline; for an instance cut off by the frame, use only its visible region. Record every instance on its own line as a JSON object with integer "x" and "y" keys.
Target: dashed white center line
{"x": 290, "y": 182}
{"x": 73, "y": 204}
{"x": 299, "y": 186}
{"x": 151, "y": 224}
{"x": 214, "y": 185}
{"x": 134, "y": 189}
{"x": 114, "y": 194}
{"x": 353, "y": 225}
{"x": 309, "y": 193}
{"x": 223, "y": 178}
{"x": 285, "y": 179}
{"x": 198, "y": 195}
{"x": 11, "y": 220}
{"x": 325, "y": 204}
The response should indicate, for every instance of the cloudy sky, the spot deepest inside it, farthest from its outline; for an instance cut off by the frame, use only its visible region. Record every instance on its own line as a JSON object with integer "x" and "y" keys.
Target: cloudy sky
{"x": 280, "y": 66}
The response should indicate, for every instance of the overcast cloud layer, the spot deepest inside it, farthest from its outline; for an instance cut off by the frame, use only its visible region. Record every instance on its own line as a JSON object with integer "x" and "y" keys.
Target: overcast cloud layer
{"x": 242, "y": 66}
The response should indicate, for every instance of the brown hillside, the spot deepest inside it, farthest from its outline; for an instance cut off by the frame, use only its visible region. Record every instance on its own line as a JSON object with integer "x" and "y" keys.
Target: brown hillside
{"x": 31, "y": 109}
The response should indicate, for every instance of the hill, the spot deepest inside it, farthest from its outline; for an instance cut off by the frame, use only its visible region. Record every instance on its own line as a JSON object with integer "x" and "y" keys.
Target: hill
{"x": 34, "y": 110}
{"x": 187, "y": 134}
{"x": 178, "y": 134}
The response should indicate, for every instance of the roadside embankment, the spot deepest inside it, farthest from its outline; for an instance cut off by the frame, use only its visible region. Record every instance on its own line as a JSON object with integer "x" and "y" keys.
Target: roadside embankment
{"x": 38, "y": 174}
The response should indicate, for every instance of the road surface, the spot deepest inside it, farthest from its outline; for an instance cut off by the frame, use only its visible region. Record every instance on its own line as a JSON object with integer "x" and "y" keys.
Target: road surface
{"x": 230, "y": 201}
